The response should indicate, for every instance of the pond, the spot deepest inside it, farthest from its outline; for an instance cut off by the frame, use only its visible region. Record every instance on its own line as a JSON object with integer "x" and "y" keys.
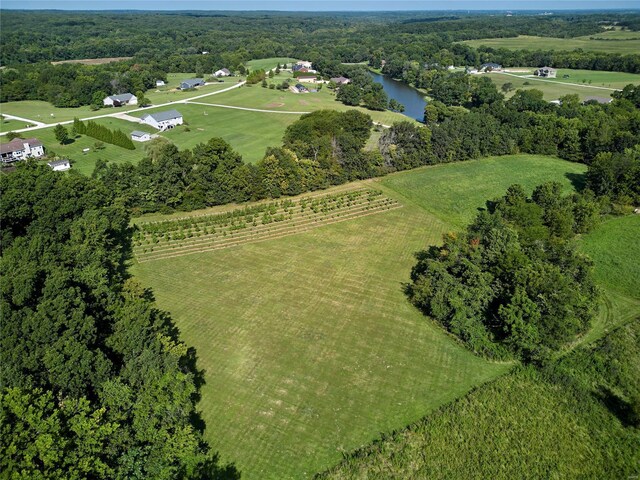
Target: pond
{"x": 411, "y": 98}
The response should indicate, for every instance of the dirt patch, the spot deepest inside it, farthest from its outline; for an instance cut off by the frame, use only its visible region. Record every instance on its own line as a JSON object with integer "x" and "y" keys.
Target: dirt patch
{"x": 275, "y": 104}
{"x": 93, "y": 61}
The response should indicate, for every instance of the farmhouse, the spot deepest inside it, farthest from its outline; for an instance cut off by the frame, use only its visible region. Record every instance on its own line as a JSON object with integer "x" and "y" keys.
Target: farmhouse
{"x": 160, "y": 83}
{"x": 191, "y": 83}
{"x": 340, "y": 80}
{"x": 223, "y": 72}
{"x": 299, "y": 68}
{"x": 546, "y": 72}
{"x": 304, "y": 64}
{"x": 307, "y": 79}
{"x": 163, "y": 120}
{"x": 59, "y": 165}
{"x": 139, "y": 136}
{"x": 490, "y": 67}
{"x": 21, "y": 149}
{"x": 119, "y": 100}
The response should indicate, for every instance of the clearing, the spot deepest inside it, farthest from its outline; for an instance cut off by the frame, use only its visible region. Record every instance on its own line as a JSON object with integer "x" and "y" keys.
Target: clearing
{"x": 309, "y": 346}
{"x": 630, "y": 45}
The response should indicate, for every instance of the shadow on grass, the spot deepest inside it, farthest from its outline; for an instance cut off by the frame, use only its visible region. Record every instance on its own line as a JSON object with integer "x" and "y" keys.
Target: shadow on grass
{"x": 578, "y": 180}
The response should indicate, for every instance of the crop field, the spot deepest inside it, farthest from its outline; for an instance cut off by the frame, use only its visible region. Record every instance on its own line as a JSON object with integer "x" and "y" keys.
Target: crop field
{"x": 309, "y": 346}
{"x": 524, "y": 42}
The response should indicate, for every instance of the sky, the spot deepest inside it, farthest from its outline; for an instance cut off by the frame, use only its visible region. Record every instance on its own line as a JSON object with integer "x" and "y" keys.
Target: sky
{"x": 325, "y": 5}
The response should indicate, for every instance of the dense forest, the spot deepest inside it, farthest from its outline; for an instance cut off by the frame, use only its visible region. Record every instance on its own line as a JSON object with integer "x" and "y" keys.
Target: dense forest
{"x": 167, "y": 42}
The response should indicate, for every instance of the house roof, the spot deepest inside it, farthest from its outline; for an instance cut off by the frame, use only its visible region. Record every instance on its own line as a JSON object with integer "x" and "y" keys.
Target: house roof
{"x": 124, "y": 97}
{"x": 490, "y": 64}
{"x": 299, "y": 68}
{"x": 225, "y": 70}
{"x": 58, "y": 163}
{"x": 598, "y": 99}
{"x": 193, "y": 81}
{"x": 339, "y": 79}
{"x": 138, "y": 133}
{"x": 17, "y": 144}
{"x": 164, "y": 116}
{"x": 300, "y": 86}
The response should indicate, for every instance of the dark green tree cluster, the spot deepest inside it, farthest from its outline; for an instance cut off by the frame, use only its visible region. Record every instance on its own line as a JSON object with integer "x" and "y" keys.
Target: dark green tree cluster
{"x": 513, "y": 283}
{"x": 95, "y": 382}
{"x": 256, "y": 76}
{"x": 362, "y": 90}
{"x": 104, "y": 134}
{"x": 617, "y": 176}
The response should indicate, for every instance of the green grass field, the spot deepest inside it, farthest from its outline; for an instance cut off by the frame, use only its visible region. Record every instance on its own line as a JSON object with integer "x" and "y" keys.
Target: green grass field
{"x": 270, "y": 63}
{"x": 309, "y": 346}
{"x": 525, "y": 42}
{"x": 169, "y": 92}
{"x": 589, "y": 82}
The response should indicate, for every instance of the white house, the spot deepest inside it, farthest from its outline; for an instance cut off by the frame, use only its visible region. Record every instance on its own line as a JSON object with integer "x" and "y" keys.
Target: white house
{"x": 21, "y": 149}
{"x": 59, "y": 165}
{"x": 308, "y": 79}
{"x": 223, "y": 72}
{"x": 304, "y": 64}
{"x": 163, "y": 120}
{"x": 160, "y": 83}
{"x": 139, "y": 136}
{"x": 119, "y": 100}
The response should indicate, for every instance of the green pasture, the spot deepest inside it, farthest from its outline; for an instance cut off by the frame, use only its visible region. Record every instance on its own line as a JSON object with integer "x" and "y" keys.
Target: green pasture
{"x": 309, "y": 346}
{"x": 454, "y": 193}
{"x": 269, "y": 63}
{"x": 85, "y": 162}
{"x": 524, "y": 42}
{"x": 46, "y": 113}
{"x": 170, "y": 93}
{"x": 585, "y": 78}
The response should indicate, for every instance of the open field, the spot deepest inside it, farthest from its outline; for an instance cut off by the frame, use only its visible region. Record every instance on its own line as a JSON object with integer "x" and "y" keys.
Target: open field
{"x": 169, "y": 92}
{"x": 270, "y": 63}
{"x": 309, "y": 345}
{"x": 525, "y": 42}
{"x": 46, "y": 113}
{"x": 454, "y": 193}
{"x": 586, "y": 78}
{"x": 250, "y": 133}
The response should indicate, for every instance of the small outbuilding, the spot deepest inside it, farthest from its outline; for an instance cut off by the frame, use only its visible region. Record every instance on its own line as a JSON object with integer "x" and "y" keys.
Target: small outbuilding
{"x": 223, "y": 72}
{"x": 191, "y": 83}
{"x": 120, "y": 100}
{"x": 160, "y": 83}
{"x": 139, "y": 136}
{"x": 59, "y": 165}
{"x": 546, "y": 72}
{"x": 340, "y": 80}
{"x": 490, "y": 67}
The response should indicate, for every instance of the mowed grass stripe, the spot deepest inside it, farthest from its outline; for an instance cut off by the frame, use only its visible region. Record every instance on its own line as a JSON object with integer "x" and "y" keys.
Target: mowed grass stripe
{"x": 309, "y": 346}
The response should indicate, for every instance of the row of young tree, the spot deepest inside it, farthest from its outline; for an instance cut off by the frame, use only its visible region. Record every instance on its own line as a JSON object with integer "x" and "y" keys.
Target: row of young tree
{"x": 95, "y": 382}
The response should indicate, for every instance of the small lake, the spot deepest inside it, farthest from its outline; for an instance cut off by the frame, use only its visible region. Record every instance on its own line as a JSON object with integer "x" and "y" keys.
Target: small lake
{"x": 411, "y": 98}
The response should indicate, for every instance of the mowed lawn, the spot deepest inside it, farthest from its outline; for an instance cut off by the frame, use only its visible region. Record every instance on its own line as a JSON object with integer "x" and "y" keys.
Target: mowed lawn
{"x": 309, "y": 346}
{"x": 525, "y": 42}
{"x": 85, "y": 162}
{"x": 270, "y": 63}
{"x": 249, "y": 133}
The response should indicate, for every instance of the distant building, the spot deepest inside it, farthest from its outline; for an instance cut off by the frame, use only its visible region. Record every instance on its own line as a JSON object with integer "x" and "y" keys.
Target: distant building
{"x": 307, "y": 79}
{"x": 139, "y": 136}
{"x": 305, "y": 64}
{"x": 21, "y": 149}
{"x": 300, "y": 68}
{"x": 119, "y": 100}
{"x": 160, "y": 83}
{"x": 191, "y": 83}
{"x": 163, "y": 120}
{"x": 601, "y": 100}
{"x": 546, "y": 72}
{"x": 490, "y": 67}
{"x": 223, "y": 72}
{"x": 556, "y": 102}
{"x": 59, "y": 165}
{"x": 299, "y": 88}
{"x": 340, "y": 80}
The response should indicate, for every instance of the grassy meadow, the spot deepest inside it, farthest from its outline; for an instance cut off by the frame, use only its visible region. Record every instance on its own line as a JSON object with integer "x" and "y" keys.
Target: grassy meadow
{"x": 270, "y": 63}
{"x": 626, "y": 45}
{"x": 309, "y": 346}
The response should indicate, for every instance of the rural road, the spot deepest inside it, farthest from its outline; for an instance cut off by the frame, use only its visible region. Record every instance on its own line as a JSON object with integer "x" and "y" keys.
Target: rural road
{"x": 13, "y": 117}
{"x": 40, "y": 125}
